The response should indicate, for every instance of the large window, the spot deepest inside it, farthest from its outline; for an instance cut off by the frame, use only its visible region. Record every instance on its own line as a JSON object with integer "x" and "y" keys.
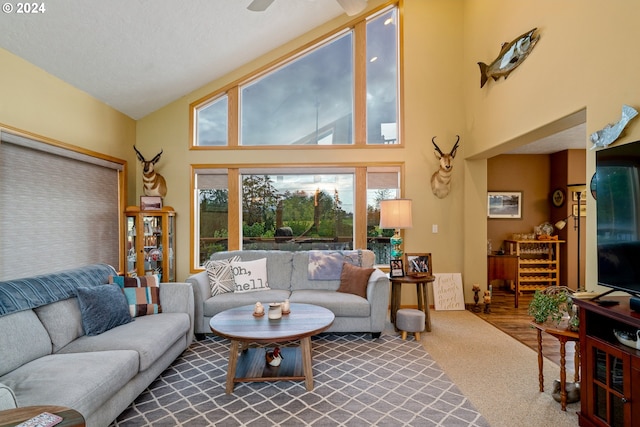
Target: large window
{"x": 341, "y": 91}
{"x": 291, "y": 209}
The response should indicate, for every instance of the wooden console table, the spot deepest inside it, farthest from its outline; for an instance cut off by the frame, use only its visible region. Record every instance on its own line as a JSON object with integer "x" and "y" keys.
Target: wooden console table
{"x": 563, "y": 335}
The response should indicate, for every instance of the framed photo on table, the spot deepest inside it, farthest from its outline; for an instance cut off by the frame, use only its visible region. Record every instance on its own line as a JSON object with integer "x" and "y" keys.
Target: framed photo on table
{"x": 397, "y": 269}
{"x": 418, "y": 264}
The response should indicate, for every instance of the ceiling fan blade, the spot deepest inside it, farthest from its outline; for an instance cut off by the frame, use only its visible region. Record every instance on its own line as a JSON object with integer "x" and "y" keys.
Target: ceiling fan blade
{"x": 259, "y": 5}
{"x": 352, "y": 7}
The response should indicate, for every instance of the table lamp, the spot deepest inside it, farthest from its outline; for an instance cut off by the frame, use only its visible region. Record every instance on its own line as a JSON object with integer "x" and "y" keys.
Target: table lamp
{"x": 396, "y": 214}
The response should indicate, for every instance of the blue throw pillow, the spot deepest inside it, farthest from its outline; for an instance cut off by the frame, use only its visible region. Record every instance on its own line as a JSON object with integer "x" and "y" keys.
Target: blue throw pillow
{"x": 102, "y": 308}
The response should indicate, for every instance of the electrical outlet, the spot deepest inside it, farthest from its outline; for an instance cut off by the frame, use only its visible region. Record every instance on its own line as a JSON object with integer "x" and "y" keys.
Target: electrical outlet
{"x": 434, "y": 228}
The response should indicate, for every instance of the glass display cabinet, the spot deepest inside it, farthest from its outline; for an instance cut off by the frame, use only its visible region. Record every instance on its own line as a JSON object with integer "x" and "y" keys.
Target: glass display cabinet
{"x": 150, "y": 242}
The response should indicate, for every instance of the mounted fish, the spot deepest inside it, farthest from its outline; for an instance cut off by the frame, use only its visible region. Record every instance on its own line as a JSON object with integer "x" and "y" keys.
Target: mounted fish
{"x": 611, "y": 132}
{"x": 511, "y": 55}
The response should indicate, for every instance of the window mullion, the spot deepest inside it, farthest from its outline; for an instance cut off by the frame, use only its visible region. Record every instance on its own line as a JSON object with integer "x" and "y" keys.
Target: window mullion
{"x": 360, "y": 214}
{"x": 234, "y": 218}
{"x": 360, "y": 83}
{"x": 233, "y": 116}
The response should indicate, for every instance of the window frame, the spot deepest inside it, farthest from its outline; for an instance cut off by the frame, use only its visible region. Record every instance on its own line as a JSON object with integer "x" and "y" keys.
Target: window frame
{"x": 359, "y": 28}
{"x": 234, "y": 215}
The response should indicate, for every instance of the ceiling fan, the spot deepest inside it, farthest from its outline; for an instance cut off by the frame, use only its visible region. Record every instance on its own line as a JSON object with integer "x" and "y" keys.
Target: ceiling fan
{"x": 351, "y": 7}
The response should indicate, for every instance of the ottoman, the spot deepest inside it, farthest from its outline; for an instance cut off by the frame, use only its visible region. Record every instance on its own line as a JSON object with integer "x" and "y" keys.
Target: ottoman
{"x": 410, "y": 320}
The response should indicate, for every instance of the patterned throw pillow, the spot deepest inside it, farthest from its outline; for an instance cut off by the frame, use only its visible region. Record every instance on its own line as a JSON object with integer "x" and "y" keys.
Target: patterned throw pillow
{"x": 102, "y": 307}
{"x": 220, "y": 275}
{"x": 143, "y": 293}
{"x": 250, "y": 276}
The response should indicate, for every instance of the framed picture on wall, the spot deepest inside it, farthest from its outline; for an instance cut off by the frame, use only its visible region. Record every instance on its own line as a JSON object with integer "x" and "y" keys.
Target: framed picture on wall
{"x": 504, "y": 204}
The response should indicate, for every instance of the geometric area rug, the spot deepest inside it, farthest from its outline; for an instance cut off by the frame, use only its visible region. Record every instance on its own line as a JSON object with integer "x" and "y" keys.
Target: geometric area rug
{"x": 358, "y": 381}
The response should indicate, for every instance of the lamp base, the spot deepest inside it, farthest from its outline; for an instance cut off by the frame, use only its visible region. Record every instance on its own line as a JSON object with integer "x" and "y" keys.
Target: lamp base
{"x": 396, "y": 241}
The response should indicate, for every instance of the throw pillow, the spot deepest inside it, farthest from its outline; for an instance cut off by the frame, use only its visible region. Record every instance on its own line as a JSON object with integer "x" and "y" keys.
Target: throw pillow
{"x": 354, "y": 279}
{"x": 102, "y": 307}
{"x": 142, "y": 293}
{"x": 250, "y": 276}
{"x": 220, "y": 275}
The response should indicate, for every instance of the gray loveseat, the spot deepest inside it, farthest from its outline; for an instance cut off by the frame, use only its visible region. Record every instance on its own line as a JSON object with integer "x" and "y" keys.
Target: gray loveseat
{"x": 289, "y": 278}
{"x": 46, "y": 359}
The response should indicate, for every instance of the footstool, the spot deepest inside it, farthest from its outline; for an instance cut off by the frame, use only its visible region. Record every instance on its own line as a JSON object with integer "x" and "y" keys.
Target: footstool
{"x": 410, "y": 320}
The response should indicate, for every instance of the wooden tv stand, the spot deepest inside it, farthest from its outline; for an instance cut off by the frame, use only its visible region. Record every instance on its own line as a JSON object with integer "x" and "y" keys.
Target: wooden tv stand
{"x": 610, "y": 388}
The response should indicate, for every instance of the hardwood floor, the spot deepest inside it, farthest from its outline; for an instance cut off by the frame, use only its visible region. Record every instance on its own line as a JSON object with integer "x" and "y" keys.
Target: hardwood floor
{"x": 515, "y": 322}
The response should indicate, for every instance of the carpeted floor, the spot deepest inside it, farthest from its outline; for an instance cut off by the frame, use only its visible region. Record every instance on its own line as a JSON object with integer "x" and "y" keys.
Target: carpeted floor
{"x": 358, "y": 382}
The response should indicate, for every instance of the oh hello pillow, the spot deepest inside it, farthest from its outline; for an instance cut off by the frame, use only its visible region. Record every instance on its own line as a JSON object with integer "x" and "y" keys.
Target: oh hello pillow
{"x": 250, "y": 276}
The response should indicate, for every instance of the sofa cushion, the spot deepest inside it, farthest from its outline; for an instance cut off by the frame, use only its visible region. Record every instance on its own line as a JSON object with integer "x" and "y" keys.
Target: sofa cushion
{"x": 279, "y": 264}
{"x": 62, "y": 320}
{"x": 354, "y": 280}
{"x": 82, "y": 381}
{"x": 223, "y": 302}
{"x": 142, "y": 293}
{"x": 102, "y": 307}
{"x": 300, "y": 275}
{"x": 220, "y": 275}
{"x": 23, "y": 338}
{"x": 250, "y": 276}
{"x": 149, "y": 336}
{"x": 342, "y": 305}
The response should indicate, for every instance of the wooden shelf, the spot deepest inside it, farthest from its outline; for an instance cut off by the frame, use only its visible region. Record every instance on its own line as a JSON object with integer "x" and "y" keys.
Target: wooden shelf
{"x": 538, "y": 265}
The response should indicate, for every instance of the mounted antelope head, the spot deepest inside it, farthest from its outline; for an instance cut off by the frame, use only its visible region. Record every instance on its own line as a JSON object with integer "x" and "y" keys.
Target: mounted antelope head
{"x": 154, "y": 183}
{"x": 441, "y": 179}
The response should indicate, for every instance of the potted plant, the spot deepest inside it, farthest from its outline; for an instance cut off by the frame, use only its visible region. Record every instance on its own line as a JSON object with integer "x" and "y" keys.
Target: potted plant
{"x": 549, "y": 305}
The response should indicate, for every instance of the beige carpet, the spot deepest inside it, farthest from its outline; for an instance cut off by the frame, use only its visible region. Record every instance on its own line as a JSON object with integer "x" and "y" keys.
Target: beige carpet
{"x": 496, "y": 372}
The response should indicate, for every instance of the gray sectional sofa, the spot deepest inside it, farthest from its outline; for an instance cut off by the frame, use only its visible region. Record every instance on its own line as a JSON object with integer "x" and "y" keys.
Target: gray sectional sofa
{"x": 46, "y": 359}
{"x": 289, "y": 278}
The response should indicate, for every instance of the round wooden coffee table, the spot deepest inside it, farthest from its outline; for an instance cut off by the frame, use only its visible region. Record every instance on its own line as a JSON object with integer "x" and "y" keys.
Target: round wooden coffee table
{"x": 240, "y": 326}
{"x": 12, "y": 417}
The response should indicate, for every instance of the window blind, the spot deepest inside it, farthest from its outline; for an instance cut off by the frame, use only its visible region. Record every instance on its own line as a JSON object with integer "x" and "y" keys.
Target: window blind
{"x": 56, "y": 211}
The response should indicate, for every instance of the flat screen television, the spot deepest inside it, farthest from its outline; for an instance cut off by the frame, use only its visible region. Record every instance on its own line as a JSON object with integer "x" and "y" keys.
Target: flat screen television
{"x": 616, "y": 184}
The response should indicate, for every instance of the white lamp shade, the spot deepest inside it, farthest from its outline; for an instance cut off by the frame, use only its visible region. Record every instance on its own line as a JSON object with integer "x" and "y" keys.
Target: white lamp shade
{"x": 395, "y": 213}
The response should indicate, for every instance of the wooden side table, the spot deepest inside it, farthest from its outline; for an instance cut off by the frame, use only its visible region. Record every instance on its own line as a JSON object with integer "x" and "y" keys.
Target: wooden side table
{"x": 12, "y": 417}
{"x": 563, "y": 335}
{"x": 422, "y": 293}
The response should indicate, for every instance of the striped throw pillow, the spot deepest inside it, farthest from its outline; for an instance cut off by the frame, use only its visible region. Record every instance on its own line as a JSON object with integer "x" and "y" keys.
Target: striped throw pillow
{"x": 220, "y": 275}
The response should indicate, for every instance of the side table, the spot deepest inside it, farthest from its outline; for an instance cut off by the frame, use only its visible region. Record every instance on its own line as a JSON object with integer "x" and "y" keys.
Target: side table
{"x": 12, "y": 417}
{"x": 421, "y": 283}
{"x": 563, "y": 335}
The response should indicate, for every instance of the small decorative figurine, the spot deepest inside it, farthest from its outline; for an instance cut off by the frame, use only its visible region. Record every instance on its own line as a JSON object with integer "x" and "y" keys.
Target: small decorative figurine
{"x": 285, "y": 307}
{"x": 476, "y": 297}
{"x": 487, "y": 302}
{"x": 258, "y": 311}
{"x": 274, "y": 358}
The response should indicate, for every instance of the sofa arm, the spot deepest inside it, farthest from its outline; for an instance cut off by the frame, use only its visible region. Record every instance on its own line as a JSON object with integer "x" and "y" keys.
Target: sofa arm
{"x": 177, "y": 297}
{"x": 378, "y": 297}
{"x": 201, "y": 293}
{"x": 7, "y": 398}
